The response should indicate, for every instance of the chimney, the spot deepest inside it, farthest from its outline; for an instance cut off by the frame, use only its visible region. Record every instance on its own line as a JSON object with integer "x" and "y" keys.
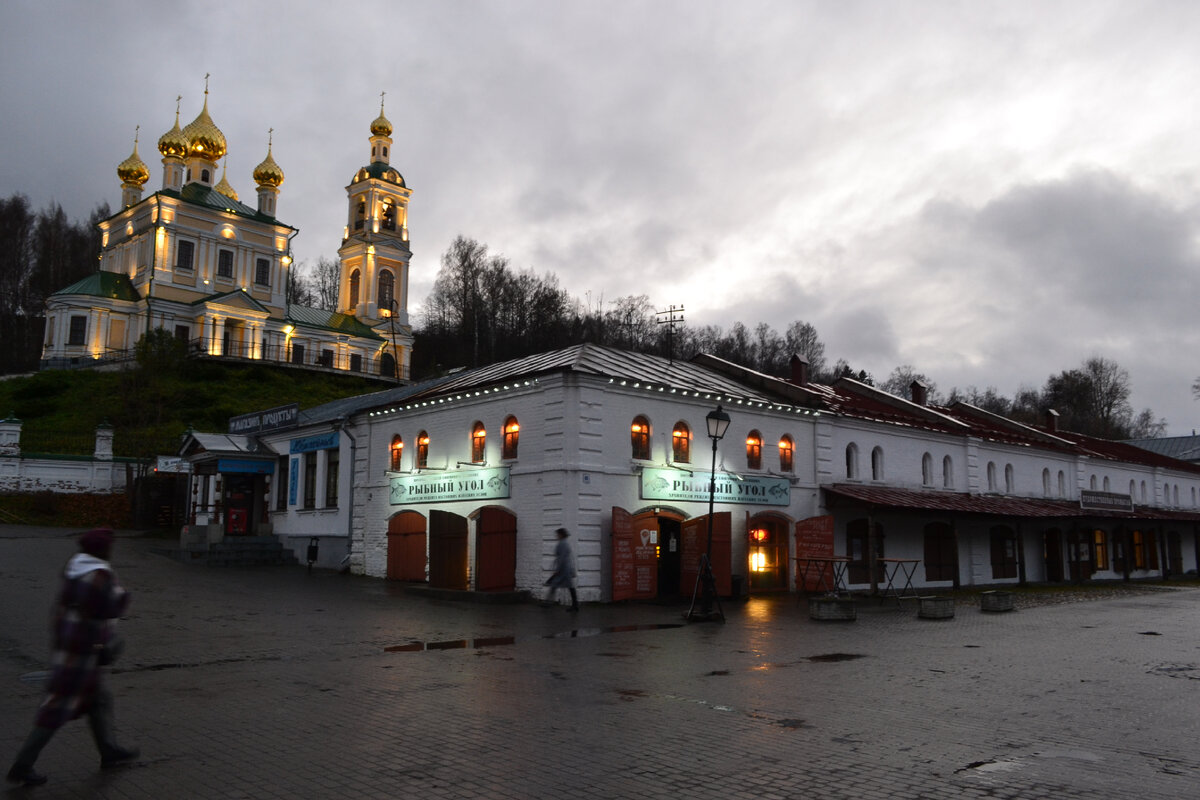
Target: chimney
{"x": 920, "y": 393}
{"x": 1051, "y": 420}
{"x": 799, "y": 370}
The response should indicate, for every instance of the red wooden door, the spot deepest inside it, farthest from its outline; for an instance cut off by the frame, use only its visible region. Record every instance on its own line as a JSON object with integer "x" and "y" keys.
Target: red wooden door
{"x": 447, "y": 550}
{"x": 406, "y": 547}
{"x": 496, "y": 551}
{"x": 695, "y": 543}
{"x": 634, "y": 558}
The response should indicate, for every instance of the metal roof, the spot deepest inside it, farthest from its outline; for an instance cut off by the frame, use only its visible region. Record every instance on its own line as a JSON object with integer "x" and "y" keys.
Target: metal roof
{"x": 113, "y": 285}
{"x": 329, "y": 320}
{"x": 988, "y": 504}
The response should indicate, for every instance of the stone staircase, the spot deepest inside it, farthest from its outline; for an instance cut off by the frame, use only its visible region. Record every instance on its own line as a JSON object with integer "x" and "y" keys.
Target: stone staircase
{"x": 236, "y": 551}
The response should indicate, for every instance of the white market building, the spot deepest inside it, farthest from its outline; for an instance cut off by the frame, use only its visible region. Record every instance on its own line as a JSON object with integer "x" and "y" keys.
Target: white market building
{"x": 461, "y": 483}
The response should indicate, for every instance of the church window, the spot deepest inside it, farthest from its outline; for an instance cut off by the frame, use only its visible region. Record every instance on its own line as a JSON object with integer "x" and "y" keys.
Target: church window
{"x": 387, "y": 288}
{"x": 852, "y": 462}
{"x": 355, "y": 280}
{"x": 947, "y": 473}
{"x": 397, "y": 452}
{"x": 385, "y": 151}
{"x": 639, "y": 433}
{"x": 478, "y": 440}
{"x": 360, "y": 215}
{"x": 205, "y": 176}
{"x": 512, "y": 432}
{"x": 356, "y": 362}
{"x": 927, "y": 470}
{"x": 681, "y": 443}
{"x": 262, "y": 272}
{"x": 754, "y": 450}
{"x": 297, "y": 353}
{"x": 1010, "y": 479}
{"x": 787, "y": 451}
{"x": 225, "y": 264}
{"x": 77, "y": 334}
{"x": 422, "y": 450}
{"x": 389, "y": 216}
{"x": 185, "y": 251}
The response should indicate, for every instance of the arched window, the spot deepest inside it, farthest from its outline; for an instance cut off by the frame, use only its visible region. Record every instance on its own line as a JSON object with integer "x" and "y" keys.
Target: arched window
{"x": 1107, "y": 485}
{"x": 947, "y": 473}
{"x": 787, "y": 449}
{"x": 204, "y": 176}
{"x": 1175, "y": 497}
{"x": 396, "y": 450}
{"x": 355, "y": 280}
{"x": 877, "y": 464}
{"x": 1046, "y": 482}
{"x": 360, "y": 215}
{"x": 422, "y": 450}
{"x": 1143, "y": 493}
{"x": 639, "y": 433}
{"x": 478, "y": 440}
{"x": 852, "y": 462}
{"x": 387, "y": 289}
{"x": 389, "y": 215}
{"x": 1133, "y": 490}
{"x": 754, "y": 450}
{"x": 1062, "y": 484}
{"x": 1092, "y": 483}
{"x": 1010, "y": 479}
{"x": 681, "y": 443}
{"x": 511, "y": 433}
{"x": 991, "y": 476}
{"x": 927, "y": 470}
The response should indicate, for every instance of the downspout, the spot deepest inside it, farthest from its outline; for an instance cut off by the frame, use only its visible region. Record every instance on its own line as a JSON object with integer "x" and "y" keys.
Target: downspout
{"x": 343, "y": 424}
{"x": 1021, "y": 576}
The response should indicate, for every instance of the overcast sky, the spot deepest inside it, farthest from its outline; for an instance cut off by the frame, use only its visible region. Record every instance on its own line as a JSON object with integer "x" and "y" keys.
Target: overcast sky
{"x": 990, "y": 192}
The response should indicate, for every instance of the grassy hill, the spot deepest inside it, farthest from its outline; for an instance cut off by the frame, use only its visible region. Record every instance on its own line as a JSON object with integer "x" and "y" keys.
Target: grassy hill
{"x": 150, "y": 408}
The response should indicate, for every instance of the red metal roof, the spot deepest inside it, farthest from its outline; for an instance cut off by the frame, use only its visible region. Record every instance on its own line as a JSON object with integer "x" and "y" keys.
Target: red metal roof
{"x": 987, "y": 504}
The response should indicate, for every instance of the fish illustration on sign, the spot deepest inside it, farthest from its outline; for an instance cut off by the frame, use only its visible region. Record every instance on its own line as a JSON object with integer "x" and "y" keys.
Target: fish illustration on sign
{"x": 397, "y": 492}
{"x": 778, "y": 491}
{"x": 496, "y": 482}
{"x": 658, "y": 484}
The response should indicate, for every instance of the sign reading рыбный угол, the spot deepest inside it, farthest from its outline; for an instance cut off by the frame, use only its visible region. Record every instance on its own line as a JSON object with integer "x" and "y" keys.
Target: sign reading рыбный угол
{"x": 756, "y": 490}
{"x": 490, "y": 483}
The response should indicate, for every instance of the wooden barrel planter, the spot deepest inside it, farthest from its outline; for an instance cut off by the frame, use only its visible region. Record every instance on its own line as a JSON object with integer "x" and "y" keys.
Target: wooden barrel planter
{"x": 996, "y": 601}
{"x": 841, "y": 609}
{"x": 932, "y": 607}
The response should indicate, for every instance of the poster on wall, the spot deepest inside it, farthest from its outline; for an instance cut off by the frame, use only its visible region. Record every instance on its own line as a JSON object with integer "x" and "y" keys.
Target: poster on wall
{"x": 634, "y": 559}
{"x": 694, "y": 543}
{"x": 814, "y": 540}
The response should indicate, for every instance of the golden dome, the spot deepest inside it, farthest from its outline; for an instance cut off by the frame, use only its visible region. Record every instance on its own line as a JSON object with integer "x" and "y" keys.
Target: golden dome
{"x": 204, "y": 138}
{"x": 224, "y": 186}
{"x": 268, "y": 173}
{"x": 133, "y": 170}
{"x": 173, "y": 143}
{"x": 381, "y": 126}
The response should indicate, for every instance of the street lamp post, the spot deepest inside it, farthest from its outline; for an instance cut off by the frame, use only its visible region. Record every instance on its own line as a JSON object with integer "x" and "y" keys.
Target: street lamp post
{"x": 718, "y": 423}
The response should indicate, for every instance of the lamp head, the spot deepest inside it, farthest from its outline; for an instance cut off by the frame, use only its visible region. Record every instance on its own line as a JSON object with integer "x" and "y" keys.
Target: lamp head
{"x": 718, "y": 423}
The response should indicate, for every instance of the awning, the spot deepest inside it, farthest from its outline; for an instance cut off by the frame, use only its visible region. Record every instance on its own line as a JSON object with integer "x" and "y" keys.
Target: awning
{"x": 990, "y": 505}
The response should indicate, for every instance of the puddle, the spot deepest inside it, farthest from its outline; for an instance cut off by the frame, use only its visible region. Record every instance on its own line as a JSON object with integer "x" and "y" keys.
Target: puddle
{"x": 500, "y": 641}
{"x": 830, "y": 657}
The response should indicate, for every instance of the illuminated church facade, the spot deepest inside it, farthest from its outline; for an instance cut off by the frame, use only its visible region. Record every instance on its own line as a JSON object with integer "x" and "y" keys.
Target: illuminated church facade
{"x": 194, "y": 260}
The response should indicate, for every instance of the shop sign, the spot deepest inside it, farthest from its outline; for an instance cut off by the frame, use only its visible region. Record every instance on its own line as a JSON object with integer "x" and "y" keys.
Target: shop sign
{"x": 293, "y": 481}
{"x": 1105, "y": 501}
{"x": 326, "y": 441}
{"x": 273, "y": 419}
{"x": 814, "y": 537}
{"x": 172, "y": 464}
{"x": 449, "y": 487}
{"x": 754, "y": 490}
{"x": 245, "y": 466}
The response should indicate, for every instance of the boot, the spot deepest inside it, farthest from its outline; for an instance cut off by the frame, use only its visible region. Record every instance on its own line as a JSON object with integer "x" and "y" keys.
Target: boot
{"x": 22, "y": 769}
{"x": 100, "y": 720}
{"x": 574, "y": 599}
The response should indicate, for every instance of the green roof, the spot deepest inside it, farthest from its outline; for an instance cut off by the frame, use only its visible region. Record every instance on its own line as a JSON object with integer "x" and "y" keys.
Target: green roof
{"x": 113, "y": 285}
{"x": 379, "y": 171}
{"x": 201, "y": 195}
{"x": 342, "y": 323}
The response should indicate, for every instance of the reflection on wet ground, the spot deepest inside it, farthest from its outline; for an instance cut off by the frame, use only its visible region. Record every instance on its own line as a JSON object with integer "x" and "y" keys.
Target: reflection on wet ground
{"x": 498, "y": 641}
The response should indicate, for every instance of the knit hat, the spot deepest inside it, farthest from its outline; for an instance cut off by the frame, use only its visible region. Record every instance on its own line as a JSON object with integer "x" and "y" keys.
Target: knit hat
{"x": 97, "y": 542}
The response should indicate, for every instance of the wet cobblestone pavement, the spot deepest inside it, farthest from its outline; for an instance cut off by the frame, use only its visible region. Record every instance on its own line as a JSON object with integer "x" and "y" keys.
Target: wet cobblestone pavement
{"x": 271, "y": 683}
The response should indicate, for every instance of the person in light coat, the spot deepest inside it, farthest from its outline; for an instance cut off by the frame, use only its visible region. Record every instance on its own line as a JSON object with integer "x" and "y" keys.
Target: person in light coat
{"x": 564, "y": 572}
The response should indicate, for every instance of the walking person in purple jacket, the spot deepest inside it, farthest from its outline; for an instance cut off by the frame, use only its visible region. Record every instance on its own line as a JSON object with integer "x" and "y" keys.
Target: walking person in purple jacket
{"x": 89, "y": 602}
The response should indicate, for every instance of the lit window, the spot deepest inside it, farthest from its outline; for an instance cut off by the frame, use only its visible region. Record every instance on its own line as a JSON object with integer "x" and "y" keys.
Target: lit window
{"x": 512, "y": 432}
{"x": 681, "y": 443}
{"x": 184, "y": 251}
{"x": 360, "y": 215}
{"x": 754, "y": 450}
{"x": 639, "y": 433}
{"x": 389, "y": 216}
{"x": 787, "y": 449}
{"x": 478, "y": 440}
{"x": 1139, "y": 550}
{"x": 1101, "y": 549}
{"x": 422, "y": 450}
{"x": 397, "y": 451}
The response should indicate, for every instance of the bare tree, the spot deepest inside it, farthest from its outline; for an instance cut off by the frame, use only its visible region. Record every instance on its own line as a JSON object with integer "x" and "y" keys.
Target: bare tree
{"x": 802, "y": 340}
{"x": 326, "y": 281}
{"x": 900, "y": 381}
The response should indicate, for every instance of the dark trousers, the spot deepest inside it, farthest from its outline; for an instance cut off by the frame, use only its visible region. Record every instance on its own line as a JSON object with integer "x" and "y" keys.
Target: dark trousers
{"x": 100, "y": 720}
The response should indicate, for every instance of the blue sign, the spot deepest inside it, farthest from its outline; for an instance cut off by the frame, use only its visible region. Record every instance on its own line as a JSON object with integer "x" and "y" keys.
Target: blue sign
{"x": 293, "y": 481}
{"x": 326, "y": 441}
{"x": 245, "y": 466}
